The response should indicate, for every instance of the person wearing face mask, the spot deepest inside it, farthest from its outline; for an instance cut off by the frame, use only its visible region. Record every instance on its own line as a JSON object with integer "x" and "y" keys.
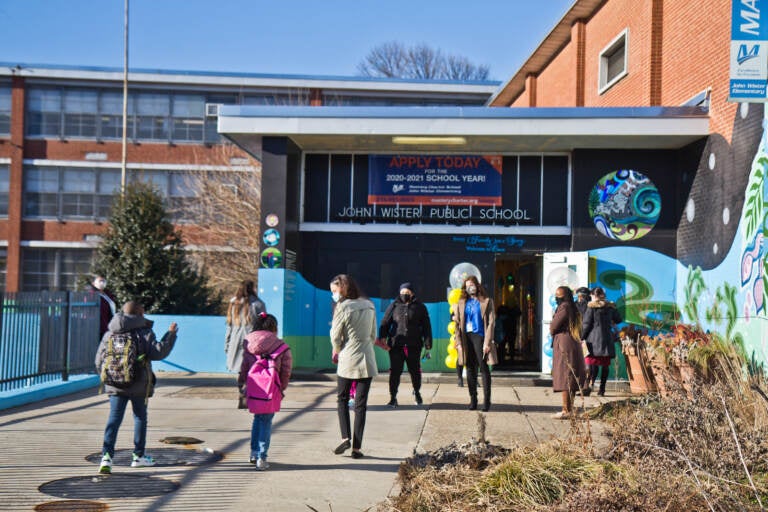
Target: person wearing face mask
{"x": 107, "y": 308}
{"x": 475, "y": 319}
{"x": 568, "y": 370}
{"x": 353, "y": 331}
{"x": 406, "y": 329}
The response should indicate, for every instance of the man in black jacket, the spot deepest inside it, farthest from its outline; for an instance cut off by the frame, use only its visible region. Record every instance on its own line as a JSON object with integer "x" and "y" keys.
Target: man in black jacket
{"x": 407, "y": 329}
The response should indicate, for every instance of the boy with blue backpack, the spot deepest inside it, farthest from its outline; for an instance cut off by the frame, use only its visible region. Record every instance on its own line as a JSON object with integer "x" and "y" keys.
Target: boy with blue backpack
{"x": 264, "y": 375}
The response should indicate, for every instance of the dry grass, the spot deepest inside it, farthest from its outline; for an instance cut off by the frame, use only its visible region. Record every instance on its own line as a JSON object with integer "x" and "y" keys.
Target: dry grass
{"x": 677, "y": 454}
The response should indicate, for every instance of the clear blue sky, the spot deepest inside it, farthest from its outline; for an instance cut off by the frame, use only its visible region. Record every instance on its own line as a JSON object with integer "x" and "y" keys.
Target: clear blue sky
{"x": 271, "y": 36}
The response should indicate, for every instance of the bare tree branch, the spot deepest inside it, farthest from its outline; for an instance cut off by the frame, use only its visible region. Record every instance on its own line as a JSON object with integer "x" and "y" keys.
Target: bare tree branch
{"x": 224, "y": 215}
{"x": 395, "y": 60}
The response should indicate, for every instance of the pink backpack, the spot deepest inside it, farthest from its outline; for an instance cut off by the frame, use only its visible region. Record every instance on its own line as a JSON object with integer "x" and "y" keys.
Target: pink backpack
{"x": 262, "y": 386}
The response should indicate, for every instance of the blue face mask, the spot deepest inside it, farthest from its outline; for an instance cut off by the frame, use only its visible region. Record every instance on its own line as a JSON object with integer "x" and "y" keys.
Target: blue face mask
{"x": 336, "y": 296}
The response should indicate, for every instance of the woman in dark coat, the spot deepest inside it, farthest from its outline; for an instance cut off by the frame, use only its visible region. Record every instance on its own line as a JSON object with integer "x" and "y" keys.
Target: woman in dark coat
{"x": 596, "y": 328}
{"x": 568, "y": 372}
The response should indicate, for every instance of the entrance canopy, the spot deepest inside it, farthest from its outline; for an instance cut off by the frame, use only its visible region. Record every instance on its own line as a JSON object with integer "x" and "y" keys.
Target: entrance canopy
{"x": 464, "y": 129}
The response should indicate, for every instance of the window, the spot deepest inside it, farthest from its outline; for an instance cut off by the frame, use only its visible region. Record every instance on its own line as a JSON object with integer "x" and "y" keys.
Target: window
{"x": 111, "y": 115}
{"x": 5, "y": 181}
{"x": 41, "y": 192}
{"x": 77, "y": 192}
{"x": 5, "y": 109}
{"x": 152, "y": 113}
{"x": 81, "y": 109}
{"x": 53, "y": 269}
{"x": 188, "y": 117}
{"x": 44, "y": 112}
{"x": 613, "y": 62}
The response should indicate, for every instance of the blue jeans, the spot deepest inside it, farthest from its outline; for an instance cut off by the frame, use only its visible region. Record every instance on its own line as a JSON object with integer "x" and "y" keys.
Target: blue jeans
{"x": 261, "y": 433}
{"x": 117, "y": 406}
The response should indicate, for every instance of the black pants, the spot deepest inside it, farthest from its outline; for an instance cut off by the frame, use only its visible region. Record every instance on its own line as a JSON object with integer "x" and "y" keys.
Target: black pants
{"x": 594, "y": 370}
{"x": 473, "y": 359}
{"x": 396, "y": 359}
{"x": 361, "y": 407}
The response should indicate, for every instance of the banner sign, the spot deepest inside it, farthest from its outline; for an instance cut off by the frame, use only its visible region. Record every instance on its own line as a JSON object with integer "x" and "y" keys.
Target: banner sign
{"x": 473, "y": 180}
{"x": 749, "y": 50}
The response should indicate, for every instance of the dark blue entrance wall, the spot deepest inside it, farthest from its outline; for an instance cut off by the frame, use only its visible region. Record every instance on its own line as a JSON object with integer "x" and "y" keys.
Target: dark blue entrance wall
{"x": 381, "y": 261}
{"x": 669, "y": 170}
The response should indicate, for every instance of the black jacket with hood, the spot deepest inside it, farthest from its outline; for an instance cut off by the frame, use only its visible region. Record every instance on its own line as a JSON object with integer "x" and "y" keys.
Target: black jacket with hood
{"x": 407, "y": 323}
{"x": 596, "y": 328}
{"x": 144, "y": 383}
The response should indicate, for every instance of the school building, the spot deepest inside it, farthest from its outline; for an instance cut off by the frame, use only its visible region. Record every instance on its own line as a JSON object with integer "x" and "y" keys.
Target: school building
{"x": 612, "y": 157}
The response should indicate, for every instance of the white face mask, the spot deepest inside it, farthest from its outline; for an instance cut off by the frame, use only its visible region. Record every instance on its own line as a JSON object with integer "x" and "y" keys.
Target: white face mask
{"x": 100, "y": 284}
{"x": 471, "y": 290}
{"x": 336, "y": 296}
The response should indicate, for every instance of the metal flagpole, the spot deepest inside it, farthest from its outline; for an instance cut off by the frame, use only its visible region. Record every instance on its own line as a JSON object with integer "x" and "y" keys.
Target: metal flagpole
{"x": 125, "y": 101}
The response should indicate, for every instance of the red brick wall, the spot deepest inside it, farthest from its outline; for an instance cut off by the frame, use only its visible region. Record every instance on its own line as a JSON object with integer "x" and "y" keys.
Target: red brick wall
{"x": 608, "y": 22}
{"x": 696, "y": 55}
{"x": 556, "y": 85}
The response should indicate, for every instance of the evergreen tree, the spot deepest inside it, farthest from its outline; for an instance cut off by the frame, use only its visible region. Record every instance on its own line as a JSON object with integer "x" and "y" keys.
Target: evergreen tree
{"x": 142, "y": 256}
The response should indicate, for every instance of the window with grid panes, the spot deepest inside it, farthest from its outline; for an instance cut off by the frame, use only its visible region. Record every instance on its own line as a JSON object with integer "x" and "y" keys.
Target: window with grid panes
{"x": 44, "y": 112}
{"x": 78, "y": 187}
{"x": 152, "y": 116}
{"x": 5, "y": 180}
{"x": 111, "y": 115}
{"x": 108, "y": 186}
{"x": 188, "y": 117}
{"x": 41, "y": 191}
{"x": 53, "y": 269}
{"x": 81, "y": 108}
{"x": 5, "y": 109}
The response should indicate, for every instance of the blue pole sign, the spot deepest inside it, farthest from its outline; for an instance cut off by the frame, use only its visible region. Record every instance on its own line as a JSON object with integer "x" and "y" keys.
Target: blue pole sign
{"x": 749, "y": 50}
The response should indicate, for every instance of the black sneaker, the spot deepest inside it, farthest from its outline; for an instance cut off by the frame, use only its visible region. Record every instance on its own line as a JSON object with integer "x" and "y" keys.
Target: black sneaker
{"x": 392, "y": 403}
{"x": 417, "y": 398}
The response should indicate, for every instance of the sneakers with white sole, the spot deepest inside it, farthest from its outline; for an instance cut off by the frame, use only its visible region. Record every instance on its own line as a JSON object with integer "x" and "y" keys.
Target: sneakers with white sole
{"x": 106, "y": 465}
{"x": 262, "y": 464}
{"x": 142, "y": 462}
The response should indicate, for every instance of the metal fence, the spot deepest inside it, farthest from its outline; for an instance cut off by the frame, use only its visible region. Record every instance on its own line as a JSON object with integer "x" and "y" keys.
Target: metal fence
{"x": 46, "y": 336}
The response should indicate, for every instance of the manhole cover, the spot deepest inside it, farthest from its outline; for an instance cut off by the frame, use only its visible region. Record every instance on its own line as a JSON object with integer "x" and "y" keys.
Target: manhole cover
{"x": 71, "y": 506}
{"x": 108, "y": 486}
{"x": 180, "y": 440}
{"x": 163, "y": 457}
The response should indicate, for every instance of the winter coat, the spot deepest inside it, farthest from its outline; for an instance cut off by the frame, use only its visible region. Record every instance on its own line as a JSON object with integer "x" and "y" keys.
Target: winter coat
{"x": 107, "y": 308}
{"x": 581, "y": 305}
{"x": 144, "y": 382}
{"x": 489, "y": 321}
{"x": 596, "y": 328}
{"x": 237, "y": 328}
{"x": 407, "y": 323}
{"x": 265, "y": 342}
{"x": 353, "y": 331}
{"x": 568, "y": 368}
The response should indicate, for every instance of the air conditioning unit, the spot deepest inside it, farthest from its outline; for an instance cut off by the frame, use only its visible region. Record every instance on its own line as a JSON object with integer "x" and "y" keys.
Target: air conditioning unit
{"x": 212, "y": 109}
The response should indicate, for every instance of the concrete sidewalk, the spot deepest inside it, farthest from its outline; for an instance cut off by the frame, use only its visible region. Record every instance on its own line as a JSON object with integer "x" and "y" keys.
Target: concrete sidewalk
{"x": 50, "y": 449}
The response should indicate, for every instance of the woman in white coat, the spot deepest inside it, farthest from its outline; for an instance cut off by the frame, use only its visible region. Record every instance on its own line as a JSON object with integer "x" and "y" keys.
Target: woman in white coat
{"x": 353, "y": 332}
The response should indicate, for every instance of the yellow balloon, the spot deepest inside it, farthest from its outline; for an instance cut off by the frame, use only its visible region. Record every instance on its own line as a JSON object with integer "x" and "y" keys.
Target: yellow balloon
{"x": 452, "y": 328}
{"x": 450, "y": 362}
{"x": 452, "y": 351}
{"x": 454, "y": 296}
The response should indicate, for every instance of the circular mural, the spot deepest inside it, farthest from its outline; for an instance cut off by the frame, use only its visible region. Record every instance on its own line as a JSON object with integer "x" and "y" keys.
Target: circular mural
{"x": 271, "y": 258}
{"x": 271, "y": 237}
{"x": 624, "y": 205}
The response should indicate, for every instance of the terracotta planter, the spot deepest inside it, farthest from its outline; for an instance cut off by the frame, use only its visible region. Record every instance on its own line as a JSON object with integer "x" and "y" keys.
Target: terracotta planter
{"x": 640, "y": 375}
{"x": 687, "y": 377}
{"x": 660, "y": 376}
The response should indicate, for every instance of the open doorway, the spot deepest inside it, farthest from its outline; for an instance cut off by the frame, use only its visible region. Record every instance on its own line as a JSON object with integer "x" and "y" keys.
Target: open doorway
{"x": 518, "y": 326}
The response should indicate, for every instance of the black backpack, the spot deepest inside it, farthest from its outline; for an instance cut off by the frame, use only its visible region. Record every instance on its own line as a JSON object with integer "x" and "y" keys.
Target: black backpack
{"x": 121, "y": 356}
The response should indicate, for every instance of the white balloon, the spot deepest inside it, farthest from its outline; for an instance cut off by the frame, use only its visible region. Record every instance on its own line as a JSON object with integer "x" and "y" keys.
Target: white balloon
{"x": 461, "y": 272}
{"x": 562, "y": 276}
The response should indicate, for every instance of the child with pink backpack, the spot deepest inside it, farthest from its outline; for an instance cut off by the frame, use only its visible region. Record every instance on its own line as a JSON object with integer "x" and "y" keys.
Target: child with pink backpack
{"x": 264, "y": 375}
